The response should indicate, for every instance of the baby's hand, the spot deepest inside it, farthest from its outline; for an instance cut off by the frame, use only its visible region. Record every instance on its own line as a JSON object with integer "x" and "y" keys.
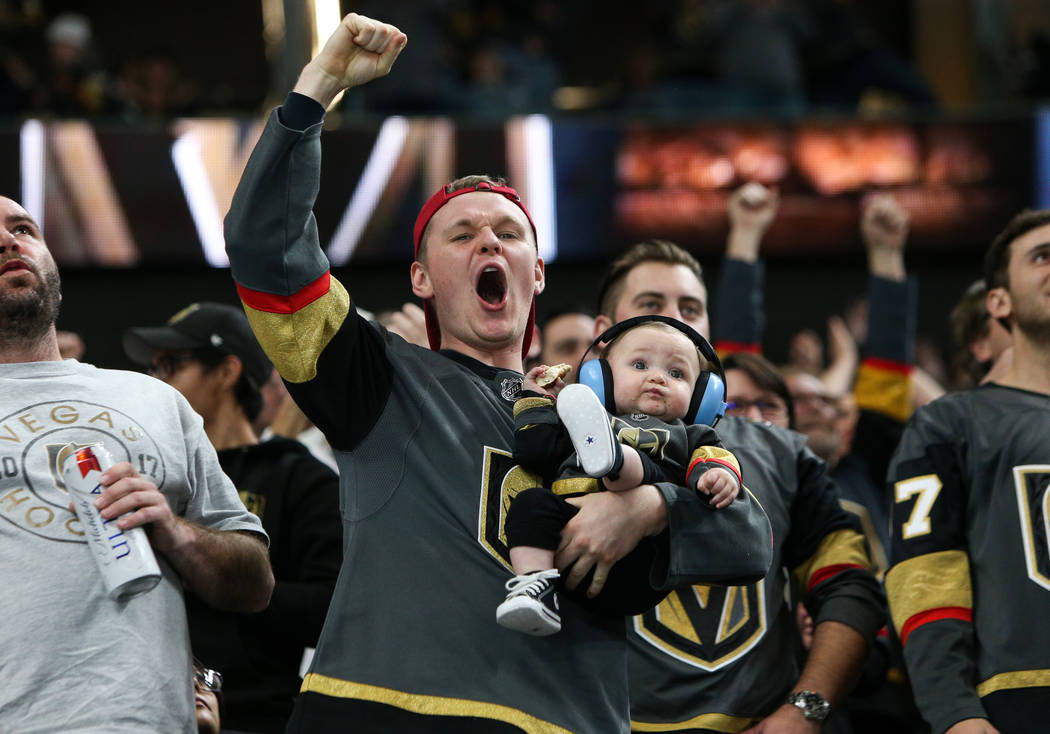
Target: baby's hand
{"x": 719, "y": 485}
{"x": 532, "y": 379}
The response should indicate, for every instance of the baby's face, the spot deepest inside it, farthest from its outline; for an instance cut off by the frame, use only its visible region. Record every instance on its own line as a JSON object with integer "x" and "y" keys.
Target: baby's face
{"x": 654, "y": 371}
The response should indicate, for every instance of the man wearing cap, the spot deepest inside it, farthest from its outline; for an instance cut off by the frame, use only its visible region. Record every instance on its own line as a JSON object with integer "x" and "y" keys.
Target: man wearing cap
{"x": 208, "y": 353}
{"x": 423, "y": 439}
{"x": 73, "y": 658}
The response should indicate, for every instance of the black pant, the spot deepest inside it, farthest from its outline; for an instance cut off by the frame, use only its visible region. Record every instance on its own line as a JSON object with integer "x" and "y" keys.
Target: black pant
{"x": 536, "y": 517}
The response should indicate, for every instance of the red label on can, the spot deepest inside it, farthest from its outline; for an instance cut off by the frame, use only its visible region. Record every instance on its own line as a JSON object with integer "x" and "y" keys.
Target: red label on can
{"x": 86, "y": 461}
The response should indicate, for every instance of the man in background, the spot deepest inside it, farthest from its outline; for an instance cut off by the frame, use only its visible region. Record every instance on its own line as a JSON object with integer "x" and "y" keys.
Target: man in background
{"x": 74, "y": 659}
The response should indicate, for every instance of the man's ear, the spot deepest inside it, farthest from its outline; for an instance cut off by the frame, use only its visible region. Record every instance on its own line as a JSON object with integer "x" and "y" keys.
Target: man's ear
{"x": 998, "y": 303}
{"x": 601, "y": 323}
{"x": 230, "y": 370}
{"x": 421, "y": 285}
{"x": 541, "y": 278}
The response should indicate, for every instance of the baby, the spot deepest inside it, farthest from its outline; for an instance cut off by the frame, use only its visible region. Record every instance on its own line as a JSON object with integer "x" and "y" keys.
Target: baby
{"x": 654, "y": 368}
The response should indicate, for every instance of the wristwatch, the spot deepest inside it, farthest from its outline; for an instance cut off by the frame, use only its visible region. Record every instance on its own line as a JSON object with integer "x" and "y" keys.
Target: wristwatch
{"x": 812, "y": 705}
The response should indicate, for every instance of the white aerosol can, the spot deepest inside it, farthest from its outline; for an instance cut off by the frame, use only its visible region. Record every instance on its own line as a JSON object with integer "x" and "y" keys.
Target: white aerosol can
{"x": 124, "y": 557}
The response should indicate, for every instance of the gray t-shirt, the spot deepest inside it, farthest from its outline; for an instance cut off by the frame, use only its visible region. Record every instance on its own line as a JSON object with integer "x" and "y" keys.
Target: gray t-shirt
{"x": 72, "y": 659}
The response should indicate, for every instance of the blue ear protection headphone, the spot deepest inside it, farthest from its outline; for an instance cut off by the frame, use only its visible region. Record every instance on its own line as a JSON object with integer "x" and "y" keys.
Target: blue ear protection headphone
{"x": 709, "y": 395}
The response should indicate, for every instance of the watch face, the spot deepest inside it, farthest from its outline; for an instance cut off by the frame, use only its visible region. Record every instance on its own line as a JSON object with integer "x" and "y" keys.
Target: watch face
{"x": 813, "y": 705}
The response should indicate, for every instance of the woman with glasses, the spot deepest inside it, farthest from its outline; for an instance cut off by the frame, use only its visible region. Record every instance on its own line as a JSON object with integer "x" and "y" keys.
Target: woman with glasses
{"x": 756, "y": 391}
{"x": 207, "y": 695}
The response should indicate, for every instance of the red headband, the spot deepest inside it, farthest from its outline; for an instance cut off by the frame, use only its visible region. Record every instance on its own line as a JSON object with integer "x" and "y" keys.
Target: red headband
{"x": 435, "y": 202}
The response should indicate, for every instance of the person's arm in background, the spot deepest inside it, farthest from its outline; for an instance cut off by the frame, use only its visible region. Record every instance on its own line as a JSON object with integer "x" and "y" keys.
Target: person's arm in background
{"x": 843, "y": 358}
{"x": 806, "y": 353}
{"x": 739, "y": 313}
{"x": 408, "y": 323}
{"x": 833, "y": 573}
{"x": 884, "y": 229}
{"x": 883, "y": 385}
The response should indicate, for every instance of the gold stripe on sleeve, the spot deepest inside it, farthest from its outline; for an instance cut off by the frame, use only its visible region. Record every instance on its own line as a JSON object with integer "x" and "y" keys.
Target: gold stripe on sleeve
{"x": 294, "y": 341}
{"x": 883, "y": 391}
{"x": 574, "y": 485}
{"x": 713, "y": 452}
{"x": 930, "y": 581}
{"x": 523, "y": 404}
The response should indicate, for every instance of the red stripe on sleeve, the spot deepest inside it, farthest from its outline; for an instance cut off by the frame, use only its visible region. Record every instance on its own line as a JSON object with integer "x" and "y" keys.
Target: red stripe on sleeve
{"x": 932, "y": 615}
{"x": 724, "y": 464}
{"x": 826, "y": 572}
{"x": 728, "y": 347}
{"x": 888, "y": 364}
{"x": 692, "y": 465}
{"x": 285, "y": 304}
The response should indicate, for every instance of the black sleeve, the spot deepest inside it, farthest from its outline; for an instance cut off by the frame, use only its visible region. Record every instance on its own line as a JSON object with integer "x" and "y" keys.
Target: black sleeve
{"x": 828, "y": 555}
{"x": 541, "y": 442}
{"x": 306, "y": 554}
{"x": 354, "y": 381}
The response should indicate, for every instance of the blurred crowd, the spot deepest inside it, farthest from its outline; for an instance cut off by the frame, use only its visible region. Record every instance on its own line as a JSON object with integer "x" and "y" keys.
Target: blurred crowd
{"x": 674, "y": 57}
{"x": 55, "y": 67}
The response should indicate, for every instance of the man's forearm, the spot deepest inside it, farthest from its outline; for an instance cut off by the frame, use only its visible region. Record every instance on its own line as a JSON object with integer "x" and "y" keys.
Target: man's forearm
{"x": 649, "y": 508}
{"x": 834, "y": 661}
{"x": 227, "y": 569}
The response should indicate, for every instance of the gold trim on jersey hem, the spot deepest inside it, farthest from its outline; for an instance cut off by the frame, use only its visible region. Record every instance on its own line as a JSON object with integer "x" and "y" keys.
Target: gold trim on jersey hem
{"x": 929, "y": 581}
{"x": 1014, "y": 679}
{"x": 715, "y": 722}
{"x": 427, "y": 705}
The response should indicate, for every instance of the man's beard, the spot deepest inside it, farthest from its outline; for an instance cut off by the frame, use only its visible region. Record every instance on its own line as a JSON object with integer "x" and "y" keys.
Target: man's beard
{"x": 1034, "y": 322}
{"x": 824, "y": 443}
{"x": 29, "y": 315}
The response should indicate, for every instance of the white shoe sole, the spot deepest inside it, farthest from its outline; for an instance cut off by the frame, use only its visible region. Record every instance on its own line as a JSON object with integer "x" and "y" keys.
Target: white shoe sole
{"x": 587, "y": 421}
{"x": 525, "y": 614}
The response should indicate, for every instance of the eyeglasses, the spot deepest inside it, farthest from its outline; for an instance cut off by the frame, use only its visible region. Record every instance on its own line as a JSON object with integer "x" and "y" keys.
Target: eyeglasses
{"x": 167, "y": 364}
{"x": 814, "y": 401}
{"x": 208, "y": 678}
{"x": 769, "y": 409}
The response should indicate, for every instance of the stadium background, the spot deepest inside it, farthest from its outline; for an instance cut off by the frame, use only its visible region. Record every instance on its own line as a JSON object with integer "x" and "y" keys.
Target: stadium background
{"x": 137, "y": 246}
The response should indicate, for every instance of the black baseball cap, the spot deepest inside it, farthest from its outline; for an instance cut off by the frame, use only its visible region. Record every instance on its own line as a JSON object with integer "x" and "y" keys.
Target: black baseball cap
{"x": 199, "y": 325}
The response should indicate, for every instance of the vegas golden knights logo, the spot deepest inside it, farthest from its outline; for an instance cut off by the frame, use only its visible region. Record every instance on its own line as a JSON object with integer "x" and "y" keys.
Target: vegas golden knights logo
{"x": 1032, "y": 485}
{"x": 651, "y": 441}
{"x": 501, "y": 482}
{"x": 33, "y": 495}
{"x": 706, "y": 626}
